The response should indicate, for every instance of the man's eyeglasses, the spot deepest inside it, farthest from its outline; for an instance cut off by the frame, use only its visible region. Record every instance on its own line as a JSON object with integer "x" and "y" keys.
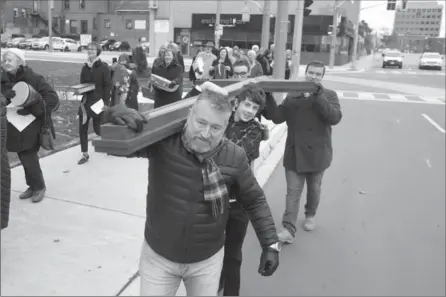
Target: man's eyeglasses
{"x": 240, "y": 74}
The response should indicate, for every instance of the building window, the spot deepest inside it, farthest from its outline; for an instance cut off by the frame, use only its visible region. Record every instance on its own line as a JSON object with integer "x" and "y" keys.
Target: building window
{"x": 66, "y": 4}
{"x": 107, "y": 24}
{"x": 73, "y": 27}
{"x": 84, "y": 27}
{"x": 82, "y": 4}
{"x": 128, "y": 24}
{"x": 95, "y": 24}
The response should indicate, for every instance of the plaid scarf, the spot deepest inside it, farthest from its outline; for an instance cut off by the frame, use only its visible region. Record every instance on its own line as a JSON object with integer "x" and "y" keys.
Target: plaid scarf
{"x": 214, "y": 186}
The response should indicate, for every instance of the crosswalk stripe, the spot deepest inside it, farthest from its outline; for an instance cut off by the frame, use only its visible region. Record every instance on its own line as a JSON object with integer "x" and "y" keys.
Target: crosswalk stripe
{"x": 396, "y": 72}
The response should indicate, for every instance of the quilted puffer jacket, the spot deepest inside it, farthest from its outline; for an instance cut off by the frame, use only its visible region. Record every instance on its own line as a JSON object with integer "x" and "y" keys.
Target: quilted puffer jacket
{"x": 5, "y": 173}
{"x": 180, "y": 225}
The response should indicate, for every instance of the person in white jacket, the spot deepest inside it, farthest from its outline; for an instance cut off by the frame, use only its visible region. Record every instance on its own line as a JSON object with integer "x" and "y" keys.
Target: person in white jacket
{"x": 203, "y": 62}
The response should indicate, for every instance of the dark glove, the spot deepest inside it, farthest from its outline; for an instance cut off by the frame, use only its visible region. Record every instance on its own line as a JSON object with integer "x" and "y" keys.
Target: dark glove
{"x": 9, "y": 94}
{"x": 320, "y": 89}
{"x": 269, "y": 261}
{"x": 122, "y": 115}
{"x": 172, "y": 85}
{"x": 36, "y": 110}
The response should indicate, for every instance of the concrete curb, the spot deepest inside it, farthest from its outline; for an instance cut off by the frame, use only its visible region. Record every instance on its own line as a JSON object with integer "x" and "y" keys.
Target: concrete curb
{"x": 43, "y": 153}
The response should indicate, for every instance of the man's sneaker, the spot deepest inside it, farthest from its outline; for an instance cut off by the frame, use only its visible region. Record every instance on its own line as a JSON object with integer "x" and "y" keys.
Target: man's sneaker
{"x": 27, "y": 194}
{"x": 38, "y": 195}
{"x": 285, "y": 236}
{"x": 84, "y": 159}
{"x": 309, "y": 224}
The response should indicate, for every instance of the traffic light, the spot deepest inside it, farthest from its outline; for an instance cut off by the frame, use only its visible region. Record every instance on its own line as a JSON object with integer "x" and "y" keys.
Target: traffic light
{"x": 391, "y": 4}
{"x": 404, "y": 4}
{"x": 306, "y": 5}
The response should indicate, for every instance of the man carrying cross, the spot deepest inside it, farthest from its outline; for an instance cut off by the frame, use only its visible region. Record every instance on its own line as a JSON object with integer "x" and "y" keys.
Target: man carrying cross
{"x": 192, "y": 175}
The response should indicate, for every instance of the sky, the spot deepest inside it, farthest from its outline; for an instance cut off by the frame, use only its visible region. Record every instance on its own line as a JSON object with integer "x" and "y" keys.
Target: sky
{"x": 377, "y": 16}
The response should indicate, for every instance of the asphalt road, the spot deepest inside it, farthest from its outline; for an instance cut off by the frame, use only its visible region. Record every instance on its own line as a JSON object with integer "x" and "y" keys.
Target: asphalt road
{"x": 381, "y": 222}
{"x": 427, "y": 78}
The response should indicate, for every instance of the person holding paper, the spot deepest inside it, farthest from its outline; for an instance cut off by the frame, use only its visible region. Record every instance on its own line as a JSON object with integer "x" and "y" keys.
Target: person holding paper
{"x": 169, "y": 69}
{"x": 26, "y": 142}
{"x": 96, "y": 72}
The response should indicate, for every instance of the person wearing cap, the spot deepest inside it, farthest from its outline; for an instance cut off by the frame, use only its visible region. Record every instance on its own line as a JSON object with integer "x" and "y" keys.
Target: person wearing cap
{"x": 26, "y": 143}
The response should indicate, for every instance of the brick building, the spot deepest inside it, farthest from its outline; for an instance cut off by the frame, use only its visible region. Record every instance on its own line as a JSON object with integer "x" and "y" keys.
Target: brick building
{"x": 191, "y": 23}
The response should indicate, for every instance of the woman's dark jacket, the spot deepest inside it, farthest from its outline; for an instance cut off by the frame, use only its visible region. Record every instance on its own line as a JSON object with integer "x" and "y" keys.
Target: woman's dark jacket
{"x": 172, "y": 72}
{"x": 99, "y": 75}
{"x": 19, "y": 141}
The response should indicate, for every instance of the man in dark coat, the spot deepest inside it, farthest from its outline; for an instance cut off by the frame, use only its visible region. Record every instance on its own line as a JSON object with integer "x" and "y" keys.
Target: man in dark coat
{"x": 192, "y": 174}
{"x": 5, "y": 174}
{"x": 308, "y": 150}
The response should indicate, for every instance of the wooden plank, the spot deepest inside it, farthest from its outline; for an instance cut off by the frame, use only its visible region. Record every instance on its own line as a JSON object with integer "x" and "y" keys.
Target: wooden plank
{"x": 167, "y": 120}
{"x": 82, "y": 88}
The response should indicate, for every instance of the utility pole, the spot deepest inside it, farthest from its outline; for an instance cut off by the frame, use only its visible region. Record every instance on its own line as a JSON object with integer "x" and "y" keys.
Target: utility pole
{"x": 280, "y": 39}
{"x": 355, "y": 40}
{"x": 50, "y": 25}
{"x": 152, "y": 35}
{"x": 266, "y": 24}
{"x": 297, "y": 39}
{"x": 334, "y": 34}
{"x": 217, "y": 24}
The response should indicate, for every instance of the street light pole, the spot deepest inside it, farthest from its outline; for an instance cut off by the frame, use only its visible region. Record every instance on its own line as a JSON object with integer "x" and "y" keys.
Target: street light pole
{"x": 50, "y": 25}
{"x": 297, "y": 39}
{"x": 217, "y": 24}
{"x": 280, "y": 39}
{"x": 266, "y": 24}
{"x": 152, "y": 34}
{"x": 356, "y": 37}
{"x": 334, "y": 34}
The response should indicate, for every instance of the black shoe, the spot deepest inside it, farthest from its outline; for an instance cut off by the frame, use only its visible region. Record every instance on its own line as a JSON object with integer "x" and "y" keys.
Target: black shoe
{"x": 27, "y": 194}
{"x": 38, "y": 195}
{"x": 84, "y": 159}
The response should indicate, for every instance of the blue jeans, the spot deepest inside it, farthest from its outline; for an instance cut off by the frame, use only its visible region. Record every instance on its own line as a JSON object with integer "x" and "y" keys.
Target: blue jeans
{"x": 162, "y": 277}
{"x": 295, "y": 185}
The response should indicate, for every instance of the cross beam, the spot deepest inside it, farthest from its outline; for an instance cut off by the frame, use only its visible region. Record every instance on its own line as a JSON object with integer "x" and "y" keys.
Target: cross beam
{"x": 167, "y": 120}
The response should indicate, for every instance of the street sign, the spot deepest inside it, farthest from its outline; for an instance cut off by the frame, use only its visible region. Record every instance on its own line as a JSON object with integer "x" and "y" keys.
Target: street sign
{"x": 246, "y": 14}
{"x": 219, "y": 30}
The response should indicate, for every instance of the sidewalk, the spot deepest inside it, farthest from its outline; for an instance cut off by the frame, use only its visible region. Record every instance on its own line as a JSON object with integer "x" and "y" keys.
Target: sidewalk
{"x": 85, "y": 237}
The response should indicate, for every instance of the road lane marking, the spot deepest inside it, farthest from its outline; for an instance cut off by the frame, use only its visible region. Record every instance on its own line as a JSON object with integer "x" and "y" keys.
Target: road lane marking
{"x": 433, "y": 123}
{"x": 428, "y": 163}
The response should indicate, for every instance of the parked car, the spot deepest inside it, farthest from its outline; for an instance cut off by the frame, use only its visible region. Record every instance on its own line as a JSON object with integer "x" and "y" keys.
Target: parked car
{"x": 26, "y": 44}
{"x": 120, "y": 46}
{"x": 43, "y": 43}
{"x": 15, "y": 42}
{"x": 393, "y": 58}
{"x": 431, "y": 61}
{"x": 66, "y": 45}
{"x": 106, "y": 43}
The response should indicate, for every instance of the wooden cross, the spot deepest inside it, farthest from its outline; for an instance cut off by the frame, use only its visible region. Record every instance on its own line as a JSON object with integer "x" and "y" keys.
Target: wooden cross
{"x": 167, "y": 120}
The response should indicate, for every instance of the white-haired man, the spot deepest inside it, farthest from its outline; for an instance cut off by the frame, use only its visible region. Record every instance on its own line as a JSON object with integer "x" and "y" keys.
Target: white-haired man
{"x": 192, "y": 174}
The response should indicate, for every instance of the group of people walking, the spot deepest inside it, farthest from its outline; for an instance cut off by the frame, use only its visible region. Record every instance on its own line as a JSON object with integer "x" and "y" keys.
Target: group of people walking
{"x": 202, "y": 192}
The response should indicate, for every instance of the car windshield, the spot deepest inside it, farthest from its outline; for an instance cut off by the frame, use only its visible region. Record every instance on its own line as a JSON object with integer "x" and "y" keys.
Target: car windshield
{"x": 393, "y": 54}
{"x": 432, "y": 56}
